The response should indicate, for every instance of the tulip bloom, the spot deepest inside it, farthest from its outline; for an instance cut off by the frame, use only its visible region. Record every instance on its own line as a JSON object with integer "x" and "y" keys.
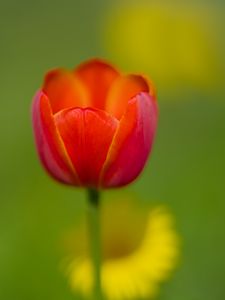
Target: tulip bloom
{"x": 94, "y": 127}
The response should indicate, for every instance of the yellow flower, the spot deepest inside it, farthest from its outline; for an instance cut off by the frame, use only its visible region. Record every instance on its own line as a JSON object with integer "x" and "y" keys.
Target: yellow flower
{"x": 174, "y": 42}
{"x": 140, "y": 249}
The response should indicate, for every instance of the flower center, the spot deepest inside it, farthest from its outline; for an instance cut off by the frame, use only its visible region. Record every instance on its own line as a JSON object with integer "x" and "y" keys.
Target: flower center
{"x": 123, "y": 230}
{"x": 123, "y": 234}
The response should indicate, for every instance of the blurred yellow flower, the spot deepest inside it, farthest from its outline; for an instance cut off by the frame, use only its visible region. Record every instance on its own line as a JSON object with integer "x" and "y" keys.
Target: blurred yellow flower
{"x": 140, "y": 249}
{"x": 173, "y": 41}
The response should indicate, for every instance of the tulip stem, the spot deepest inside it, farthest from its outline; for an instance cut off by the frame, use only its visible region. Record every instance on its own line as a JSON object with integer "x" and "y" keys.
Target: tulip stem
{"x": 95, "y": 240}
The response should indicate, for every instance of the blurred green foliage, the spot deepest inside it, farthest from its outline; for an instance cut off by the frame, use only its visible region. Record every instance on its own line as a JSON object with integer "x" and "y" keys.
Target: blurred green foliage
{"x": 186, "y": 170}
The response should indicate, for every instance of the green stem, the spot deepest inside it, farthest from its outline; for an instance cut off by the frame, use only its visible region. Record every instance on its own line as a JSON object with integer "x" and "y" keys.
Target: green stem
{"x": 95, "y": 240}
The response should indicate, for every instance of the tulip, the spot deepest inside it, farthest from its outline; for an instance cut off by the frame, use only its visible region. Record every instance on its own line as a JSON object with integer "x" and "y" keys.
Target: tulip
{"x": 94, "y": 127}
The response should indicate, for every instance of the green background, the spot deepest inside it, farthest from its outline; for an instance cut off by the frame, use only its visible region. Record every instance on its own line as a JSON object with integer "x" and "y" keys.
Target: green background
{"x": 186, "y": 170}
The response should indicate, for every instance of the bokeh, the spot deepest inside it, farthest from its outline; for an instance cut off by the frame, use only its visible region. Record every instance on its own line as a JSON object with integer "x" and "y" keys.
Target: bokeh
{"x": 180, "y": 45}
{"x": 140, "y": 250}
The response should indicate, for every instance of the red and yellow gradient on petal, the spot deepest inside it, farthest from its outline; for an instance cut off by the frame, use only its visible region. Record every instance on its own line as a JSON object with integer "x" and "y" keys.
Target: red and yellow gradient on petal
{"x": 49, "y": 143}
{"x": 122, "y": 90}
{"x": 98, "y": 77}
{"x": 94, "y": 127}
{"x": 132, "y": 142}
{"x": 87, "y": 135}
{"x": 64, "y": 90}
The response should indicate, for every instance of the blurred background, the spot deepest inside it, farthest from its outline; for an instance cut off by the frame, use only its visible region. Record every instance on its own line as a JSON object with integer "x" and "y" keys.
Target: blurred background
{"x": 180, "y": 45}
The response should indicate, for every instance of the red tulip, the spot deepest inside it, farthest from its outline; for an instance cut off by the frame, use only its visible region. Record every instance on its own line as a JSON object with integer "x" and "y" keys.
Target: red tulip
{"x": 94, "y": 127}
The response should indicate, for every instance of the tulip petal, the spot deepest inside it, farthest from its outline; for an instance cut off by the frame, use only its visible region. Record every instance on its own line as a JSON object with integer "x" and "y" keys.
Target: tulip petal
{"x": 97, "y": 76}
{"x": 49, "y": 143}
{"x": 87, "y": 135}
{"x": 122, "y": 90}
{"x": 132, "y": 142}
{"x": 64, "y": 90}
